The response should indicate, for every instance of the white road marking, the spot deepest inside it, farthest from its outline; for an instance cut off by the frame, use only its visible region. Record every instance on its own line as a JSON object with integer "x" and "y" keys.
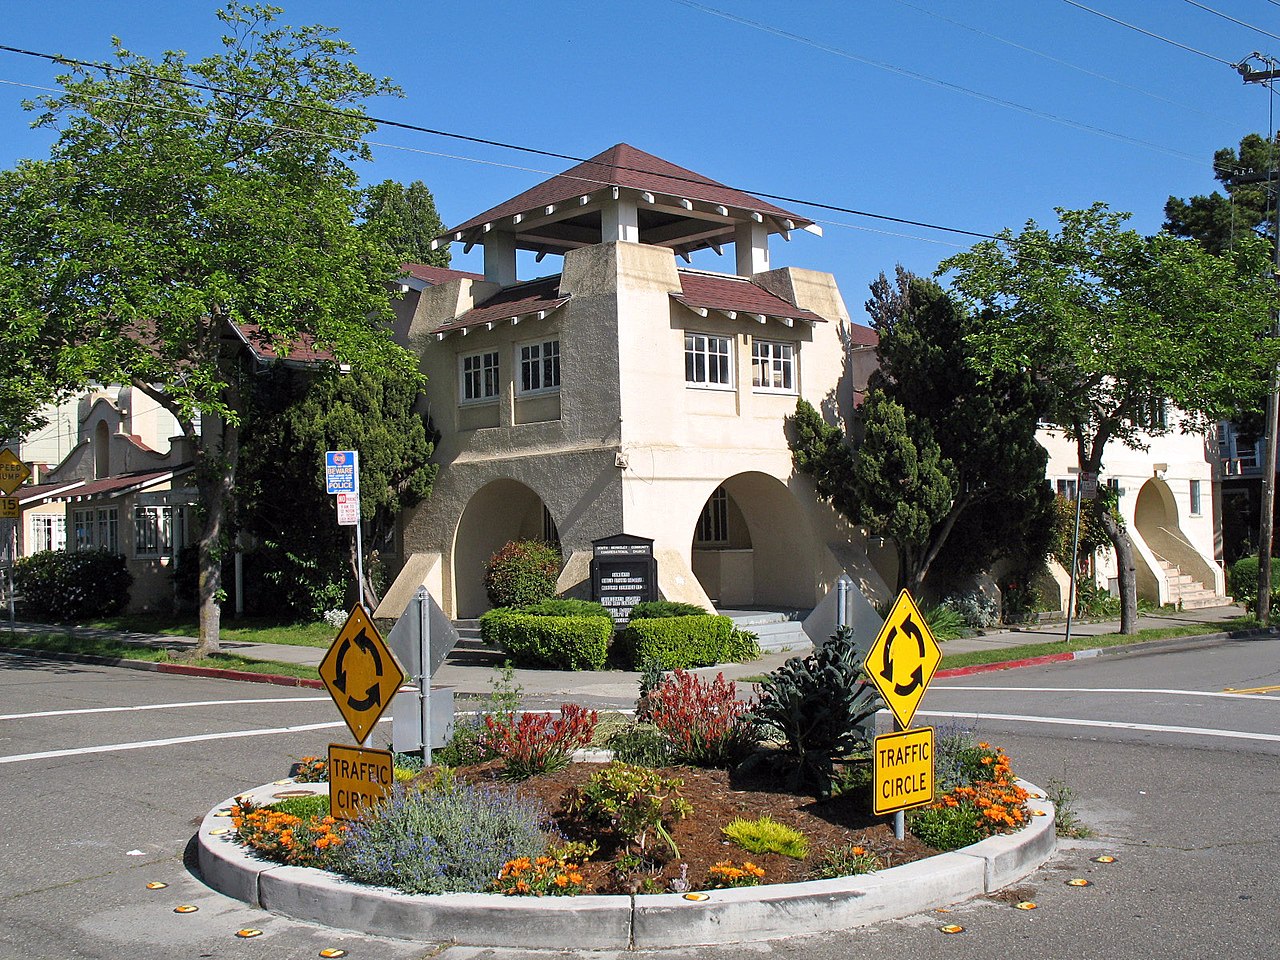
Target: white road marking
{"x": 170, "y": 741}
{"x": 156, "y": 706}
{"x": 1179, "y": 693}
{"x": 1110, "y": 724}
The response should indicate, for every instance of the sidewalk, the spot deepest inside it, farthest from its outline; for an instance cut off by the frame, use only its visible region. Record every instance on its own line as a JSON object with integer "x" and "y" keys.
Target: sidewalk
{"x": 470, "y": 668}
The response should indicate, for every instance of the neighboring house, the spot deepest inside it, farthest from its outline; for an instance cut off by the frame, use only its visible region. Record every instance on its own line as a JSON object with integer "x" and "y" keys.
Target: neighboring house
{"x": 1169, "y": 501}
{"x": 123, "y": 487}
{"x": 626, "y": 394}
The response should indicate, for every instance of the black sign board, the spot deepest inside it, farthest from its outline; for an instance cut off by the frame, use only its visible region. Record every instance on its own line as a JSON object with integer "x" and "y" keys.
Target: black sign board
{"x": 623, "y": 573}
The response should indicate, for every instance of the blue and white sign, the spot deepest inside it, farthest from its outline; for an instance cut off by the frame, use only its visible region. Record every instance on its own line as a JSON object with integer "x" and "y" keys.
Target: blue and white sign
{"x": 342, "y": 471}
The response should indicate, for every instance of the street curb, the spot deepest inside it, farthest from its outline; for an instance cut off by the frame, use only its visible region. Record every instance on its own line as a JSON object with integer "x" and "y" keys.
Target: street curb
{"x": 1146, "y": 646}
{"x": 740, "y": 915}
{"x": 179, "y": 669}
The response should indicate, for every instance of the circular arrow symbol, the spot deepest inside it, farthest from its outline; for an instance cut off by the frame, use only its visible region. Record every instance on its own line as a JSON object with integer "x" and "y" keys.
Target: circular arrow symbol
{"x": 916, "y": 680}
{"x": 373, "y": 696}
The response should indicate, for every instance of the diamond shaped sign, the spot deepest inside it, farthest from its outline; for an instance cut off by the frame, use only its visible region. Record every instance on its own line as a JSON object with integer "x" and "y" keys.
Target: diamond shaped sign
{"x": 360, "y": 673}
{"x": 13, "y": 472}
{"x": 903, "y": 659}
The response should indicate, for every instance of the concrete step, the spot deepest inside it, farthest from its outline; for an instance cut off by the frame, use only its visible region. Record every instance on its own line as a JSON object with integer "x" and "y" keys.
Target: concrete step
{"x": 1201, "y": 599}
{"x": 776, "y": 630}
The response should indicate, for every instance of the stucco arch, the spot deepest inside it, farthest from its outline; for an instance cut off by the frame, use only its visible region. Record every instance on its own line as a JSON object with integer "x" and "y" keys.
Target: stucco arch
{"x": 1155, "y": 506}
{"x": 1165, "y": 551}
{"x": 768, "y": 555}
{"x": 500, "y": 511}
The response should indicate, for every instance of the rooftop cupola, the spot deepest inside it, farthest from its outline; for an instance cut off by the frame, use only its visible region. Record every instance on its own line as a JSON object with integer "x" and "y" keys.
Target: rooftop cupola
{"x": 625, "y": 194}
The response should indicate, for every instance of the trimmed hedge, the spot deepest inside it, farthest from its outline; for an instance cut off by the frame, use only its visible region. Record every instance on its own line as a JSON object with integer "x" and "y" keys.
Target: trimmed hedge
{"x": 75, "y": 585}
{"x": 522, "y": 572}
{"x": 1243, "y": 582}
{"x": 562, "y": 643}
{"x": 566, "y": 607}
{"x": 677, "y": 643}
{"x": 654, "y": 609}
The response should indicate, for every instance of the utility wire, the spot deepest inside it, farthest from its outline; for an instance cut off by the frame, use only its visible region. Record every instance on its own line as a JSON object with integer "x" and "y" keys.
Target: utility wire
{"x": 1219, "y": 13}
{"x": 1064, "y": 63}
{"x": 1148, "y": 33}
{"x": 935, "y": 81}
{"x": 380, "y": 121}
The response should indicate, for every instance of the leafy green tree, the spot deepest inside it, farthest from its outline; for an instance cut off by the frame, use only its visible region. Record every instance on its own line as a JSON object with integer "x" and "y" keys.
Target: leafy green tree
{"x": 182, "y": 199}
{"x": 1114, "y": 325}
{"x": 962, "y": 441}
{"x": 294, "y": 418}
{"x": 405, "y": 219}
{"x": 1216, "y": 220}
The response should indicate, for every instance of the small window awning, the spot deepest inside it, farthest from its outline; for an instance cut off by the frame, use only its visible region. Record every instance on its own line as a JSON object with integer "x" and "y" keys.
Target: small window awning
{"x": 736, "y": 297}
{"x": 531, "y": 300}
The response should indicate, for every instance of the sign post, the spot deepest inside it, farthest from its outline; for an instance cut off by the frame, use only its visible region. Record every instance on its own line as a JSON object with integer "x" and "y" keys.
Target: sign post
{"x": 901, "y": 662}
{"x": 342, "y": 478}
{"x": 13, "y": 474}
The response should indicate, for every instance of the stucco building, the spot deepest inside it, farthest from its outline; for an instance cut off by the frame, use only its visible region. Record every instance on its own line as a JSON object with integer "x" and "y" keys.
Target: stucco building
{"x": 629, "y": 394}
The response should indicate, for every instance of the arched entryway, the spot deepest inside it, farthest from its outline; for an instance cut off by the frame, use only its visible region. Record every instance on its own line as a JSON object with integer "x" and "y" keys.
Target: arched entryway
{"x": 500, "y": 511}
{"x": 753, "y": 545}
{"x": 1156, "y": 522}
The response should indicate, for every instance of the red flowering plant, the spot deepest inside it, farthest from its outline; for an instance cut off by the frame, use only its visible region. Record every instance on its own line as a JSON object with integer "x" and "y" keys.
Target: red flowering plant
{"x": 704, "y": 722}
{"x": 532, "y": 743}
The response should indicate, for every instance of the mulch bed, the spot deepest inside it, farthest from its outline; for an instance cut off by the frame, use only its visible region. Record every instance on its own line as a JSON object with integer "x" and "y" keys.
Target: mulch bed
{"x": 717, "y": 797}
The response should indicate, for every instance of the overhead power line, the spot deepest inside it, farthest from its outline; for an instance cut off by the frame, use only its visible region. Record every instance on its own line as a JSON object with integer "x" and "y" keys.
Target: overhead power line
{"x": 1218, "y": 13}
{"x": 1148, "y": 33}
{"x": 936, "y": 81}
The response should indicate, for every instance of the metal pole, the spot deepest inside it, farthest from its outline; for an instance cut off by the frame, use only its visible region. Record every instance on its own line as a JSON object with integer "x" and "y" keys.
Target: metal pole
{"x": 899, "y": 816}
{"x": 424, "y": 677}
{"x": 842, "y": 600}
{"x": 12, "y": 547}
{"x": 1075, "y": 560}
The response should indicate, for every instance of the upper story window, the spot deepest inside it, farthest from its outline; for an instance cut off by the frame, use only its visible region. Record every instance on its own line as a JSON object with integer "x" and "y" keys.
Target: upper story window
{"x": 773, "y": 366}
{"x": 539, "y": 366}
{"x": 478, "y": 377}
{"x": 1195, "y": 498}
{"x": 706, "y": 360}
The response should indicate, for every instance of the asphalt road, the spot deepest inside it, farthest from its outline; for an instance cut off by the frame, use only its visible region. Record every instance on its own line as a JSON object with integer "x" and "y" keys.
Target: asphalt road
{"x": 104, "y": 773}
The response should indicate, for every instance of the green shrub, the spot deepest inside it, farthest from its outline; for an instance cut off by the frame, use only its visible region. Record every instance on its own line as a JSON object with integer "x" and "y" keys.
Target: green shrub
{"x": 743, "y": 647}
{"x": 641, "y": 745}
{"x": 947, "y": 828}
{"x": 676, "y": 643}
{"x": 656, "y": 609}
{"x": 561, "y": 643}
{"x": 817, "y": 705}
{"x": 522, "y": 572}
{"x": 945, "y": 623}
{"x": 637, "y": 803}
{"x": 566, "y": 607}
{"x": 847, "y": 861}
{"x": 316, "y": 805}
{"x": 467, "y": 739}
{"x": 766, "y": 835}
{"x": 960, "y": 761}
{"x": 1242, "y": 582}
{"x": 75, "y": 585}
{"x": 451, "y": 841}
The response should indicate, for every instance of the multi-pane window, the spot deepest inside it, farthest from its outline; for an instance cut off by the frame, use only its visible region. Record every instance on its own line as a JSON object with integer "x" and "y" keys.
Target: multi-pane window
{"x": 153, "y": 531}
{"x": 1067, "y": 488}
{"x": 478, "y": 376}
{"x": 773, "y": 366}
{"x": 706, "y": 360}
{"x": 1195, "y": 497}
{"x": 539, "y": 366}
{"x": 713, "y": 523}
{"x": 48, "y": 532}
{"x": 97, "y": 529}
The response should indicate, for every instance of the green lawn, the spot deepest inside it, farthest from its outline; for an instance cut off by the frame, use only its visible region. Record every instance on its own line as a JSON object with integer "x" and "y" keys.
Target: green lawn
{"x": 244, "y": 630}
{"x": 54, "y": 642}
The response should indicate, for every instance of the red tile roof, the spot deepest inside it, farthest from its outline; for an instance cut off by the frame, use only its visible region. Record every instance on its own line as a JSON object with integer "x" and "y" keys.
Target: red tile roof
{"x": 435, "y": 275}
{"x": 714, "y": 291}
{"x": 38, "y": 491}
{"x": 122, "y": 483}
{"x": 623, "y": 165}
{"x": 302, "y": 351}
{"x": 861, "y": 336}
{"x": 519, "y": 300}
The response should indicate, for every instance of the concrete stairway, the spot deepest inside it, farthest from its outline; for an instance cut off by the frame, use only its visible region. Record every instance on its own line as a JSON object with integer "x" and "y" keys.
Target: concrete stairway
{"x": 470, "y": 650}
{"x": 778, "y": 630}
{"x": 1186, "y": 592}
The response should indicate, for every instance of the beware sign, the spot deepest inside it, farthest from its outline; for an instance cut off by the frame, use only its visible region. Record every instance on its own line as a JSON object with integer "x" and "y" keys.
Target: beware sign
{"x": 357, "y": 779}
{"x": 903, "y": 774}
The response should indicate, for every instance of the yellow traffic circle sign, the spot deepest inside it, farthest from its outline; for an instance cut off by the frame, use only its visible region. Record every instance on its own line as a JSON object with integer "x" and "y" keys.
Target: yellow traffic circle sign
{"x": 13, "y": 472}
{"x": 903, "y": 659}
{"x": 902, "y": 770}
{"x": 360, "y": 673}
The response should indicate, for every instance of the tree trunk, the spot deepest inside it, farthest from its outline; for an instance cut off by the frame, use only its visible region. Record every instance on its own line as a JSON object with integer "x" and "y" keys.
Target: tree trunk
{"x": 217, "y": 452}
{"x": 1127, "y": 570}
{"x": 371, "y": 598}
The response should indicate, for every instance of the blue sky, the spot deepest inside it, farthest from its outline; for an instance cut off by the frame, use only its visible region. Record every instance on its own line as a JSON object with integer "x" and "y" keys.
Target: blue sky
{"x": 856, "y": 103}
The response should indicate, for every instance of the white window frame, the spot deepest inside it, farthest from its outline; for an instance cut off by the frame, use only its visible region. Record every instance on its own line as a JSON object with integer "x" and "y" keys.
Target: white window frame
{"x": 771, "y": 361}
{"x": 1196, "y": 504}
{"x": 485, "y": 374}
{"x": 156, "y": 531}
{"x": 713, "y": 522}
{"x": 537, "y": 366}
{"x": 701, "y": 355}
{"x": 47, "y": 531}
{"x": 97, "y": 528}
